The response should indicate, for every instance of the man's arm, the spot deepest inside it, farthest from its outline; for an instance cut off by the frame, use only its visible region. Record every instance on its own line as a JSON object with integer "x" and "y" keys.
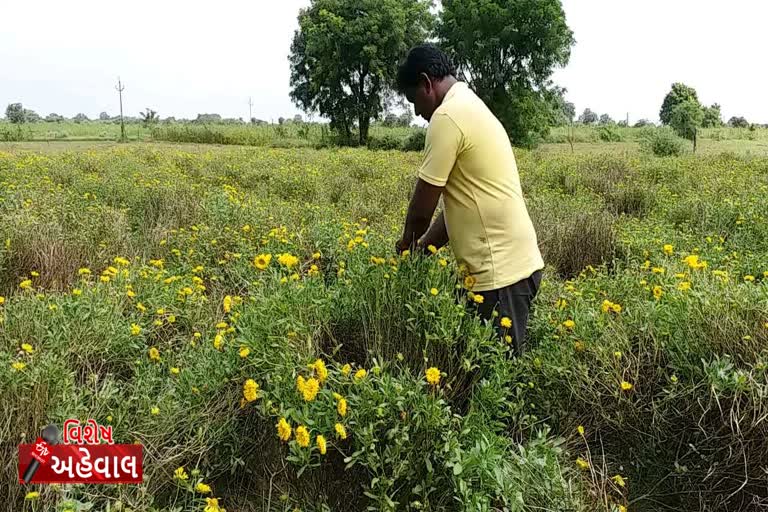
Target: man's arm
{"x": 437, "y": 234}
{"x": 420, "y": 211}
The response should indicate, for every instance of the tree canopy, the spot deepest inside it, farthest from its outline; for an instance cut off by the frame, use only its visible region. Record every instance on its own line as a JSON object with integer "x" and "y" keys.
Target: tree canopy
{"x": 507, "y": 51}
{"x": 345, "y": 54}
{"x": 679, "y": 93}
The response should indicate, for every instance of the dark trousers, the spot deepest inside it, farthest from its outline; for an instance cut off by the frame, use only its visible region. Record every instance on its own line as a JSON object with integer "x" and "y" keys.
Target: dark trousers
{"x": 512, "y": 302}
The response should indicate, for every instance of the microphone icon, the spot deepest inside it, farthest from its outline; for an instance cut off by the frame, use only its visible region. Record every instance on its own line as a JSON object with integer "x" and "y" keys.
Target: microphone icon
{"x": 50, "y": 436}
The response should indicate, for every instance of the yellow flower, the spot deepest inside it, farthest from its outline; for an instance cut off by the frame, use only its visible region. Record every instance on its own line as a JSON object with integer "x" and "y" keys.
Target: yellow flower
{"x": 583, "y": 465}
{"x": 320, "y": 370}
{"x": 341, "y": 432}
{"x": 341, "y": 407}
{"x": 619, "y": 480}
{"x": 508, "y": 339}
{"x": 578, "y": 346}
{"x": 302, "y": 436}
{"x": 26, "y": 347}
{"x": 2, "y": 300}
{"x": 221, "y": 325}
{"x": 175, "y": 370}
{"x": 218, "y": 341}
{"x": 316, "y": 255}
{"x": 141, "y": 307}
{"x": 212, "y": 505}
{"x": 310, "y": 389}
{"x": 155, "y": 411}
{"x": 104, "y": 279}
{"x": 668, "y": 249}
{"x": 227, "y": 304}
{"x": 180, "y": 474}
{"x": 617, "y": 354}
{"x": 283, "y": 429}
{"x": 433, "y": 376}
{"x": 622, "y": 508}
{"x": 26, "y": 284}
{"x": 693, "y": 262}
{"x": 657, "y": 292}
{"x": 360, "y": 374}
{"x": 569, "y": 324}
{"x": 749, "y": 278}
{"x": 84, "y": 272}
{"x": 244, "y": 352}
{"x": 250, "y": 390}
{"x": 431, "y": 248}
{"x": 658, "y": 270}
{"x": 202, "y": 488}
{"x": 616, "y": 308}
{"x": 673, "y": 379}
{"x": 32, "y": 495}
{"x": 135, "y": 329}
{"x": 154, "y": 354}
{"x": 478, "y": 298}
{"x": 433, "y": 291}
{"x": 580, "y": 430}
{"x": 18, "y": 365}
{"x": 506, "y": 322}
{"x": 288, "y": 260}
{"x": 561, "y": 303}
{"x": 442, "y": 262}
{"x": 321, "y": 444}
{"x": 626, "y": 386}
{"x": 261, "y": 261}
{"x": 684, "y": 286}
{"x": 346, "y": 369}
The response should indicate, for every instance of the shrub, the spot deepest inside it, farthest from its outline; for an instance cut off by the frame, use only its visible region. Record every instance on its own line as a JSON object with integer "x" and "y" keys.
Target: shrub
{"x": 385, "y": 142}
{"x": 663, "y": 142}
{"x": 415, "y": 141}
{"x": 609, "y": 134}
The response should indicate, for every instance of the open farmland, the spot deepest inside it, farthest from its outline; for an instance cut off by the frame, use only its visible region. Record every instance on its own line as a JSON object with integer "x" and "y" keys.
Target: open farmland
{"x": 183, "y": 296}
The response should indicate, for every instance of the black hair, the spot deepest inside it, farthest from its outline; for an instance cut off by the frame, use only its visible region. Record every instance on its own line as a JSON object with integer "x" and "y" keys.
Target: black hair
{"x": 427, "y": 59}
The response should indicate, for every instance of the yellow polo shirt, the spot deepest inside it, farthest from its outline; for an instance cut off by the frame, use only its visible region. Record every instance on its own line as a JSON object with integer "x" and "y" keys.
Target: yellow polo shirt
{"x": 468, "y": 152}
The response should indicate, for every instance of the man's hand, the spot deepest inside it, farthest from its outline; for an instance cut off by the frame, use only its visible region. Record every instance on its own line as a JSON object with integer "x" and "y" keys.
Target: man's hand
{"x": 420, "y": 211}
{"x": 401, "y": 245}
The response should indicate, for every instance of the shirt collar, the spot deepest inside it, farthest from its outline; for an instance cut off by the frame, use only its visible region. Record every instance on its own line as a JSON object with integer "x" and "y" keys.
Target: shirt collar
{"x": 453, "y": 90}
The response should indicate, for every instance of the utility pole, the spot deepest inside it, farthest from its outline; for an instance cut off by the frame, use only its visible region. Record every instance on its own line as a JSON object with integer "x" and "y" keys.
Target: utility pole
{"x": 120, "y": 88}
{"x": 250, "y": 109}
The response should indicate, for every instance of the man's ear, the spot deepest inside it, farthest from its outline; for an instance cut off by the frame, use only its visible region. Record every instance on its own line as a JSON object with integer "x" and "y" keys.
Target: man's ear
{"x": 423, "y": 77}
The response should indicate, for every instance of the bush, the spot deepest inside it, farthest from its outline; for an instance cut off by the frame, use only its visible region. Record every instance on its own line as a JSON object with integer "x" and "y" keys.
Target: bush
{"x": 663, "y": 142}
{"x": 415, "y": 141}
{"x": 609, "y": 134}
{"x": 385, "y": 142}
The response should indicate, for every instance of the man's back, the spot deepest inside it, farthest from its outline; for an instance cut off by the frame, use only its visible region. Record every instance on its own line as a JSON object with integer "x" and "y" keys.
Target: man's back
{"x": 468, "y": 152}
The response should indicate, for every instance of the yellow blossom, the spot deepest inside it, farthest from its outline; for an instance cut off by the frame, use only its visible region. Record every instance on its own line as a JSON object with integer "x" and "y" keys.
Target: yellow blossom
{"x": 26, "y": 347}
{"x": 749, "y": 278}
{"x": 84, "y": 272}
{"x": 212, "y": 505}
{"x": 244, "y": 352}
{"x": 321, "y": 444}
{"x": 431, "y": 248}
{"x": 175, "y": 370}
{"x": 283, "y": 429}
{"x": 478, "y": 298}
{"x": 684, "y": 286}
{"x": 154, "y": 354}
{"x": 155, "y": 411}
{"x": 569, "y": 324}
{"x": 218, "y": 341}
{"x": 310, "y": 389}
{"x": 227, "y": 305}
{"x": 202, "y": 488}
{"x": 341, "y": 407}
{"x": 180, "y": 474}
{"x": 582, "y": 464}
{"x": 18, "y": 365}
{"x": 442, "y": 262}
{"x": 506, "y": 322}
{"x": 619, "y": 480}
{"x": 288, "y": 260}
{"x": 250, "y": 390}
{"x": 657, "y": 292}
{"x": 261, "y": 261}
{"x": 433, "y": 291}
{"x": 341, "y": 432}
{"x": 668, "y": 249}
{"x": 135, "y": 329}
{"x": 360, "y": 374}
{"x": 32, "y": 495}
{"x": 469, "y": 282}
{"x": 658, "y": 270}
{"x": 346, "y": 369}
{"x": 320, "y": 370}
{"x": 26, "y": 284}
{"x": 433, "y": 376}
{"x": 302, "y": 436}
{"x": 580, "y": 430}
{"x": 626, "y": 386}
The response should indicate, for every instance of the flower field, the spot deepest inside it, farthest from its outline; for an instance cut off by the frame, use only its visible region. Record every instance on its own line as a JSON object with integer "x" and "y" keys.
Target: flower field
{"x": 241, "y": 313}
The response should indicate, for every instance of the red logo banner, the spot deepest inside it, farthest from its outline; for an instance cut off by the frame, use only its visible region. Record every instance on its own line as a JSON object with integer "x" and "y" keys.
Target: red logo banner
{"x": 88, "y": 463}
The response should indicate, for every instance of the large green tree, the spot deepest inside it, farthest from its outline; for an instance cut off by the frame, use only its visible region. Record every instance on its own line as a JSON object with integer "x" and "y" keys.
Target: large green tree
{"x": 507, "y": 51}
{"x": 345, "y": 53}
{"x": 680, "y": 93}
{"x": 14, "y": 112}
{"x": 713, "y": 118}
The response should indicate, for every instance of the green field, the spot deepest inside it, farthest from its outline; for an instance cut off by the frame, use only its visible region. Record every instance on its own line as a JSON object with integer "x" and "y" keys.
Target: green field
{"x": 217, "y": 276}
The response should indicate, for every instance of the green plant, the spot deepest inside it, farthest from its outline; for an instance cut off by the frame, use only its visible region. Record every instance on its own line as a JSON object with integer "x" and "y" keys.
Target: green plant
{"x": 662, "y": 142}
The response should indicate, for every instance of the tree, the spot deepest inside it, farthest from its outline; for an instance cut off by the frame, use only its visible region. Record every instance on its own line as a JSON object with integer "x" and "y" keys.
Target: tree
{"x": 30, "y": 116}
{"x": 280, "y": 120}
{"x": 149, "y": 116}
{"x": 14, "y": 112}
{"x": 405, "y": 119}
{"x": 563, "y": 111}
{"x": 686, "y": 118}
{"x": 588, "y": 117}
{"x": 712, "y": 117}
{"x": 507, "y": 50}
{"x": 680, "y": 93}
{"x": 298, "y": 119}
{"x": 606, "y": 119}
{"x": 103, "y": 116}
{"x": 735, "y": 122}
{"x": 390, "y": 120}
{"x": 345, "y": 54}
{"x": 79, "y": 118}
{"x": 53, "y": 118}
{"x": 208, "y": 118}
{"x": 643, "y": 122}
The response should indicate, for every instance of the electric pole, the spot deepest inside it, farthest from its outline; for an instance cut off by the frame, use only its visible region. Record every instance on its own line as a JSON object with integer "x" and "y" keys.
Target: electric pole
{"x": 250, "y": 109}
{"x": 120, "y": 88}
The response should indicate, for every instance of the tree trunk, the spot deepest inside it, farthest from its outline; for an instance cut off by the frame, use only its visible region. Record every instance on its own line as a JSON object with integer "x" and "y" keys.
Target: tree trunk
{"x": 695, "y": 133}
{"x": 364, "y": 122}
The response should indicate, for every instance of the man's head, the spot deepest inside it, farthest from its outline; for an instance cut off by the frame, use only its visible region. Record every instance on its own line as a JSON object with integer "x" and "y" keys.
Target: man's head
{"x": 424, "y": 77}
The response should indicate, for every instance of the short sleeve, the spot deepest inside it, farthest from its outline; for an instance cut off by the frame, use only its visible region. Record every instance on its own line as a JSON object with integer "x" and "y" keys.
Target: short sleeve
{"x": 442, "y": 147}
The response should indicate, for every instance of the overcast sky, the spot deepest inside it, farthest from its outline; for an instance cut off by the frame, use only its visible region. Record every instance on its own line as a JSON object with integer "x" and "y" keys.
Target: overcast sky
{"x": 187, "y": 57}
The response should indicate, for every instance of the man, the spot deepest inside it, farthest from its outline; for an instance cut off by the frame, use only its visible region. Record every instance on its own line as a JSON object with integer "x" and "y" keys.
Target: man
{"x": 469, "y": 161}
